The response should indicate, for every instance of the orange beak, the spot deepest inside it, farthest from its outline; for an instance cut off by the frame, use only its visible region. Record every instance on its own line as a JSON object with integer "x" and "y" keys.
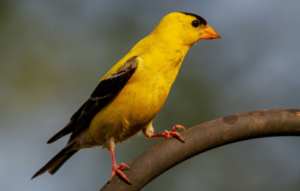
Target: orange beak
{"x": 209, "y": 33}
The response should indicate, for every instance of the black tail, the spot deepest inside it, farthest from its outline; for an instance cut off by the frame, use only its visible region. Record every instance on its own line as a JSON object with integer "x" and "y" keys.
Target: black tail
{"x": 57, "y": 161}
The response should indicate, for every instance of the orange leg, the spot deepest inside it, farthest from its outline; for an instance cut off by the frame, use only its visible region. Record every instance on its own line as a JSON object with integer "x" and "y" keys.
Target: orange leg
{"x": 117, "y": 169}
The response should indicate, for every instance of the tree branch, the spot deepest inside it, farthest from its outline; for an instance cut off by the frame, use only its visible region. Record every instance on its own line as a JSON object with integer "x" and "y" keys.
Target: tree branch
{"x": 206, "y": 136}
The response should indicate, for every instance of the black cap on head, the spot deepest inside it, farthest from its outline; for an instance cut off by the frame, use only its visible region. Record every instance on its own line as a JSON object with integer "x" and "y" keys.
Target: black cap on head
{"x": 202, "y": 21}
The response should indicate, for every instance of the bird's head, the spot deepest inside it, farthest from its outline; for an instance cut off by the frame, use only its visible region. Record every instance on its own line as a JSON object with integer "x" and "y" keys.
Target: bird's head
{"x": 184, "y": 28}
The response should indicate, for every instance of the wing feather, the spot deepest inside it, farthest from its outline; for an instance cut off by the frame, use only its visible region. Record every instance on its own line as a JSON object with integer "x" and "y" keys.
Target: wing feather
{"x": 106, "y": 90}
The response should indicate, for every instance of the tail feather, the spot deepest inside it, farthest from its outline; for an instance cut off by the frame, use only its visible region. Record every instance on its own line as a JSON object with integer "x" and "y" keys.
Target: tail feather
{"x": 57, "y": 161}
{"x": 52, "y": 169}
{"x": 69, "y": 128}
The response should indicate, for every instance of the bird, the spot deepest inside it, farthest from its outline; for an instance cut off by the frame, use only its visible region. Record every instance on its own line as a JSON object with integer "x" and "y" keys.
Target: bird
{"x": 132, "y": 92}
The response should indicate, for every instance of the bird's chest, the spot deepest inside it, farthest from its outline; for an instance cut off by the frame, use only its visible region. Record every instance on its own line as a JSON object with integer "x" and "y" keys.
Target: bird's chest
{"x": 153, "y": 84}
{"x": 146, "y": 97}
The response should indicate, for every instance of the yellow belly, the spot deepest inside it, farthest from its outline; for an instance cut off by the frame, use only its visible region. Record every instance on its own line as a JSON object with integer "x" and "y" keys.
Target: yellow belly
{"x": 132, "y": 110}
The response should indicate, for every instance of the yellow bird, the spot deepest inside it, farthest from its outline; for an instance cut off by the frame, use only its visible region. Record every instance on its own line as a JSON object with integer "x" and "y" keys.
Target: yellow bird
{"x": 133, "y": 91}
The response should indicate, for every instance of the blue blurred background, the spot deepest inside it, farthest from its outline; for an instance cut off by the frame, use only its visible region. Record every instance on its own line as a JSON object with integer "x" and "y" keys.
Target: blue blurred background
{"x": 53, "y": 53}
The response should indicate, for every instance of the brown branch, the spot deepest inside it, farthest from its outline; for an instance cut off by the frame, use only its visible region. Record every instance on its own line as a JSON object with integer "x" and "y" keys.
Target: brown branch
{"x": 206, "y": 136}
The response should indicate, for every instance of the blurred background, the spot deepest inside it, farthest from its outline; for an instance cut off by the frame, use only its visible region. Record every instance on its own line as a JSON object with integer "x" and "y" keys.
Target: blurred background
{"x": 53, "y": 54}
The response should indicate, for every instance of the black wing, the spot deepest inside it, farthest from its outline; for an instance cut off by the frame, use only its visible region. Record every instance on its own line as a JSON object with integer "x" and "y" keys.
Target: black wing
{"x": 106, "y": 90}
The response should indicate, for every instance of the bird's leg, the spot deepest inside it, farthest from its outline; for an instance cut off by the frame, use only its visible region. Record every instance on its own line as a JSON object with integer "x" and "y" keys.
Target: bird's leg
{"x": 148, "y": 132}
{"x": 115, "y": 168}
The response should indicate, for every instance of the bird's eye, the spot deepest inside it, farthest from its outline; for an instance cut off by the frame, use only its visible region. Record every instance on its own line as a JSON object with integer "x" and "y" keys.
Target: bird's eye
{"x": 195, "y": 23}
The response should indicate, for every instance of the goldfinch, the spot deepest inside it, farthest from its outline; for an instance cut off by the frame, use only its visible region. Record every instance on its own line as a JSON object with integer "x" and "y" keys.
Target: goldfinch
{"x": 133, "y": 91}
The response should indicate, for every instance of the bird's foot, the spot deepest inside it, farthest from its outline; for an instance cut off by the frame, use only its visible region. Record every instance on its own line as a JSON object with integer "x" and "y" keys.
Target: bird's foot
{"x": 170, "y": 134}
{"x": 117, "y": 170}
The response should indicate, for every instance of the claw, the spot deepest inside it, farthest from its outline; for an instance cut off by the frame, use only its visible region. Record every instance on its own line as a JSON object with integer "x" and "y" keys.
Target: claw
{"x": 176, "y": 134}
{"x": 122, "y": 165}
{"x": 170, "y": 134}
{"x": 117, "y": 170}
{"x": 178, "y": 127}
